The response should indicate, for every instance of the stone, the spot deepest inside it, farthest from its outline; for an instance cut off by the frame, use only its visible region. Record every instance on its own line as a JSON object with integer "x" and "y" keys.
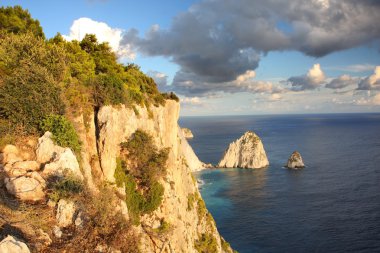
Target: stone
{"x": 79, "y": 220}
{"x": 187, "y": 133}
{"x": 43, "y": 237}
{"x": 57, "y": 232}
{"x": 65, "y": 160}
{"x": 25, "y": 188}
{"x": 27, "y": 165}
{"x": 246, "y": 152}
{"x": 65, "y": 213}
{"x": 46, "y": 149}
{"x": 295, "y": 161}
{"x": 10, "y": 154}
{"x": 190, "y": 158}
{"x": 11, "y": 245}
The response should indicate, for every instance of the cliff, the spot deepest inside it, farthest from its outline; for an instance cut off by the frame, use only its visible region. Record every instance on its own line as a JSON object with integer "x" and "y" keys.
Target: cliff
{"x": 181, "y": 223}
{"x": 187, "y": 133}
{"x": 246, "y": 152}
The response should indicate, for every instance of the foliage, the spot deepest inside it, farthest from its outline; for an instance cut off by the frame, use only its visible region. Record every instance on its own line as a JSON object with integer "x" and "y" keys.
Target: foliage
{"x": 206, "y": 243}
{"x": 65, "y": 187}
{"x": 171, "y": 96}
{"x": 108, "y": 90}
{"x": 146, "y": 165}
{"x": 17, "y": 20}
{"x": 63, "y": 131}
{"x": 29, "y": 88}
{"x": 164, "y": 227}
{"x": 191, "y": 197}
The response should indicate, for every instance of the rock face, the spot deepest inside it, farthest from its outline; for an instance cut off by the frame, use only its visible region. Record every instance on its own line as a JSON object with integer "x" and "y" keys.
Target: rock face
{"x": 187, "y": 133}
{"x": 295, "y": 161}
{"x": 246, "y": 152}
{"x": 65, "y": 213}
{"x": 57, "y": 158}
{"x": 117, "y": 124}
{"x": 26, "y": 188}
{"x": 12, "y": 245}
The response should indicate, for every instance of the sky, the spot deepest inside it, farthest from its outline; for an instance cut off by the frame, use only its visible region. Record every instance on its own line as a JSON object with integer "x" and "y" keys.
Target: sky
{"x": 238, "y": 57}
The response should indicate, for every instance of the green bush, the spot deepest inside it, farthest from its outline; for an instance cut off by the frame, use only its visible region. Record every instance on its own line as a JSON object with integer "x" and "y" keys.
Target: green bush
{"x": 17, "y": 20}
{"x": 108, "y": 90}
{"x": 30, "y": 72}
{"x": 146, "y": 166}
{"x": 65, "y": 187}
{"x": 63, "y": 131}
{"x": 206, "y": 243}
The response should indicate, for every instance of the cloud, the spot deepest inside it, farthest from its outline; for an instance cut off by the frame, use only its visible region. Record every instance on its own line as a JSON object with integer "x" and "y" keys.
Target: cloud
{"x": 371, "y": 82}
{"x": 357, "y": 68}
{"x": 190, "y": 84}
{"x": 103, "y": 32}
{"x": 214, "y": 42}
{"x": 191, "y": 101}
{"x": 313, "y": 79}
{"x": 369, "y": 100}
{"x": 342, "y": 82}
{"x": 161, "y": 80}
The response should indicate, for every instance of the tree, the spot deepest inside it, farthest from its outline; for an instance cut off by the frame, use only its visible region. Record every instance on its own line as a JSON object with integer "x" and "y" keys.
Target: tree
{"x": 17, "y": 20}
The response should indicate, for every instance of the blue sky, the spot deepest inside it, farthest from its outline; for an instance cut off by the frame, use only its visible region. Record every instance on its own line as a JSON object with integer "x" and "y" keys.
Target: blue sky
{"x": 230, "y": 57}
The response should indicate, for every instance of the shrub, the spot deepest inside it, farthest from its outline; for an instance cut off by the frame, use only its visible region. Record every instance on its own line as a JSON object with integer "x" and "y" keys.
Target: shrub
{"x": 63, "y": 131}
{"x": 170, "y": 95}
{"x": 190, "y": 201}
{"x": 65, "y": 187}
{"x": 206, "y": 243}
{"x": 108, "y": 90}
{"x": 31, "y": 71}
{"x": 164, "y": 227}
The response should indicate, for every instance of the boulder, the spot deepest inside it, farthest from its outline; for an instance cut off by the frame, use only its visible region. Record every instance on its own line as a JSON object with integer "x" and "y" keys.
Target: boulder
{"x": 65, "y": 213}
{"x": 26, "y": 165}
{"x": 11, "y": 154}
{"x": 46, "y": 149}
{"x": 26, "y": 188}
{"x": 65, "y": 160}
{"x": 11, "y": 245}
{"x": 295, "y": 161}
{"x": 246, "y": 152}
{"x": 187, "y": 133}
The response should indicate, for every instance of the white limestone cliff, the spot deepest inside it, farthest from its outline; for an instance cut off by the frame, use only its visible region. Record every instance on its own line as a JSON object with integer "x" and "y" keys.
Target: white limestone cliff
{"x": 187, "y": 133}
{"x": 246, "y": 152}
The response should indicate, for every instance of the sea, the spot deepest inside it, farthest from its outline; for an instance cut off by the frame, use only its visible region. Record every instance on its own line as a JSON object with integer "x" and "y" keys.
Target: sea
{"x": 332, "y": 205}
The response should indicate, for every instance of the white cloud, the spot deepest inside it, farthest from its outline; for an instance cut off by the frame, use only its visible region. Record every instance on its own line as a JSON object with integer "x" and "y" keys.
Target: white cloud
{"x": 372, "y": 82}
{"x": 357, "y": 68}
{"x": 191, "y": 101}
{"x": 342, "y": 82}
{"x": 103, "y": 32}
{"x": 370, "y": 100}
{"x": 313, "y": 79}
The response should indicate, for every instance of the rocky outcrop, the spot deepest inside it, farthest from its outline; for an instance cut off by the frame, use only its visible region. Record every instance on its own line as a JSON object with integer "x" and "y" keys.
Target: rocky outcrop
{"x": 29, "y": 187}
{"x": 65, "y": 213}
{"x": 295, "y": 161}
{"x": 246, "y": 152}
{"x": 57, "y": 159}
{"x": 117, "y": 124}
{"x": 11, "y": 245}
{"x": 187, "y": 133}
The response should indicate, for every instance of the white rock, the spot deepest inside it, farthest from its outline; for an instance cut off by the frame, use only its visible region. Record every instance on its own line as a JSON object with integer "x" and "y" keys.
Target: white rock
{"x": 187, "y": 133}
{"x": 25, "y": 188}
{"x": 79, "y": 220}
{"x": 65, "y": 160}
{"x": 65, "y": 213}
{"x": 295, "y": 161}
{"x": 57, "y": 232}
{"x": 26, "y": 165}
{"x": 187, "y": 151}
{"x": 246, "y": 152}
{"x": 46, "y": 149}
{"x": 10, "y": 155}
{"x": 11, "y": 245}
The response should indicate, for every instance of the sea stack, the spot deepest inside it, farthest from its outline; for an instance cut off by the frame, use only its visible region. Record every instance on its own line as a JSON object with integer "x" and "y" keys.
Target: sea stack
{"x": 295, "y": 161}
{"x": 187, "y": 133}
{"x": 246, "y": 152}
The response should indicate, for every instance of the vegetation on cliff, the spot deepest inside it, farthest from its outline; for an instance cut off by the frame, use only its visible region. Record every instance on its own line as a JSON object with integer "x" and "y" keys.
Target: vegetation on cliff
{"x": 39, "y": 78}
{"x": 139, "y": 170}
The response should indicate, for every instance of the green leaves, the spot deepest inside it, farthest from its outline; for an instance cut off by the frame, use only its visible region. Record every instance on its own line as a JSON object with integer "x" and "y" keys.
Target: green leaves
{"x": 63, "y": 131}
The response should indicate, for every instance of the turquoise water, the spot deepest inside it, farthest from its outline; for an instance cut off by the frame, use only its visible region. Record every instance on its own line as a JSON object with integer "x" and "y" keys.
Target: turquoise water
{"x": 333, "y": 205}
